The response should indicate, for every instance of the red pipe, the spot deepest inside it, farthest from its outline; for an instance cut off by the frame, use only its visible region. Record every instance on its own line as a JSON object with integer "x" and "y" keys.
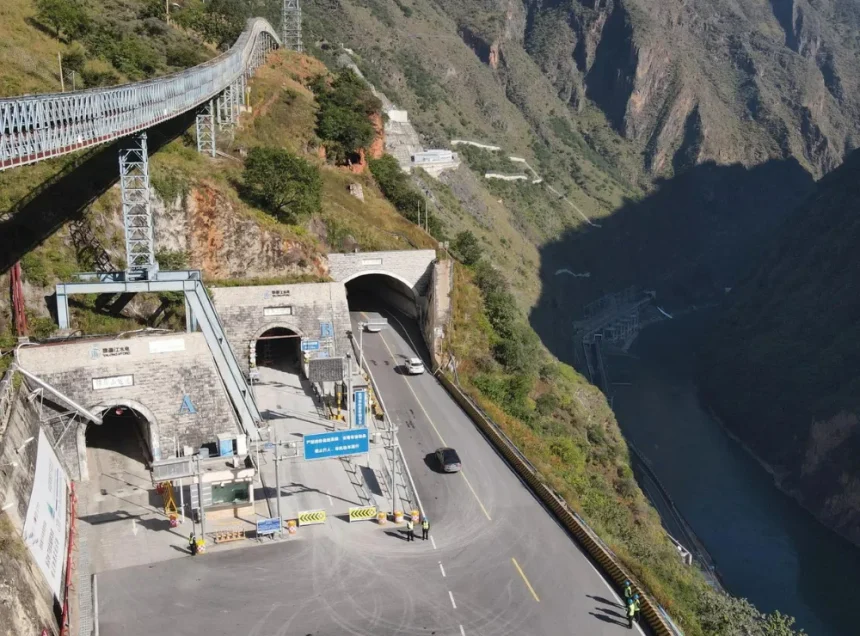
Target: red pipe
{"x": 18, "y": 308}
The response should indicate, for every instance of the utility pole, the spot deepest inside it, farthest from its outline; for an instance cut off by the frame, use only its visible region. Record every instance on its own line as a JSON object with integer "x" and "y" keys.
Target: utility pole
{"x": 418, "y": 204}
{"x": 278, "y": 479}
{"x": 62, "y": 81}
{"x": 349, "y": 407}
{"x": 200, "y": 500}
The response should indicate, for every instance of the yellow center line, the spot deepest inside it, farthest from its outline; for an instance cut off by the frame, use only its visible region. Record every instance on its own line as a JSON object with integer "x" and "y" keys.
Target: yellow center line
{"x": 522, "y": 574}
{"x": 429, "y": 419}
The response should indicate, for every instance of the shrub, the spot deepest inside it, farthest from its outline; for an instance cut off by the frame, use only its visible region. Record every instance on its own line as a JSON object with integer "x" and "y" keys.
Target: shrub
{"x": 467, "y": 248}
{"x": 398, "y": 189}
{"x": 93, "y": 78}
{"x": 67, "y": 17}
{"x": 343, "y": 119}
{"x": 289, "y": 187}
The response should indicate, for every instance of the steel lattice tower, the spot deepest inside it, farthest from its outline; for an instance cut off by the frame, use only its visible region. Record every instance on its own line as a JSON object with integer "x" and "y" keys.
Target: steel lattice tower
{"x": 136, "y": 211}
{"x": 291, "y": 26}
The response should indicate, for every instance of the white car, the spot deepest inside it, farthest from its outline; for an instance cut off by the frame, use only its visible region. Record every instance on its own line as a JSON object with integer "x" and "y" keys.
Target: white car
{"x": 414, "y": 366}
{"x": 374, "y": 327}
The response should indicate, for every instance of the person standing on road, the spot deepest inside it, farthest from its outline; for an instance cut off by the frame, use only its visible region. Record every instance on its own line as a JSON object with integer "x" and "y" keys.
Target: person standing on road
{"x": 628, "y": 591}
{"x": 410, "y": 530}
{"x": 192, "y": 544}
{"x": 425, "y": 529}
{"x": 631, "y": 613}
{"x": 637, "y": 607}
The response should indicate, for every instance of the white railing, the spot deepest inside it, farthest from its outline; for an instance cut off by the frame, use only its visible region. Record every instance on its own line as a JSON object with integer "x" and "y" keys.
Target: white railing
{"x": 37, "y": 127}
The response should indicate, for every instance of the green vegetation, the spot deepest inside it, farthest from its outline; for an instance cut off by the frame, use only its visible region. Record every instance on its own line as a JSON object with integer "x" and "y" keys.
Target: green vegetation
{"x": 345, "y": 109}
{"x": 482, "y": 160}
{"x": 466, "y": 247}
{"x": 398, "y": 189}
{"x": 288, "y": 186}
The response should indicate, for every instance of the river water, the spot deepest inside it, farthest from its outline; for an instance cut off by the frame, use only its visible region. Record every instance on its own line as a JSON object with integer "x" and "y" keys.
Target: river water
{"x": 765, "y": 546}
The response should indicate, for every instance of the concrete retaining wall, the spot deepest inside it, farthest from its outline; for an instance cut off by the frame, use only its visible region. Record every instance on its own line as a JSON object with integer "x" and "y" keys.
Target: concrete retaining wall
{"x": 569, "y": 519}
{"x": 26, "y": 600}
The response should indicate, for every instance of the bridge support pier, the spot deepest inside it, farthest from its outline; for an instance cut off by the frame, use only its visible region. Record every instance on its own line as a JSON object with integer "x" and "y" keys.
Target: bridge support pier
{"x": 206, "y": 130}
{"x": 136, "y": 210}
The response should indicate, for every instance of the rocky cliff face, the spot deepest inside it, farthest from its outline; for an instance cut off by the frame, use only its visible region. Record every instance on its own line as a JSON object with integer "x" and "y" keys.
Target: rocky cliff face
{"x": 223, "y": 243}
{"x": 695, "y": 81}
{"x": 783, "y": 364}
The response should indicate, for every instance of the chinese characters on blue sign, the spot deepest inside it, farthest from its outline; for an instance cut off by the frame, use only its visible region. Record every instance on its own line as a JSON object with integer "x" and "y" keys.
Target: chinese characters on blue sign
{"x": 354, "y": 441}
{"x": 267, "y": 526}
{"x": 326, "y": 330}
{"x": 360, "y": 407}
{"x": 310, "y": 345}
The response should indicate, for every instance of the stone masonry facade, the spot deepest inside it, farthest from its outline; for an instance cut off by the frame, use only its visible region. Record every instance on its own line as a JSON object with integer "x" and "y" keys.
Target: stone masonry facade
{"x": 171, "y": 380}
{"x": 306, "y": 308}
{"x": 411, "y": 267}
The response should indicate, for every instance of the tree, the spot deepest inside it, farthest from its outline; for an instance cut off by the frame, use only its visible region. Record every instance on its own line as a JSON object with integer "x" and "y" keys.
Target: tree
{"x": 67, "y": 17}
{"x": 289, "y": 187}
{"x": 467, "y": 248}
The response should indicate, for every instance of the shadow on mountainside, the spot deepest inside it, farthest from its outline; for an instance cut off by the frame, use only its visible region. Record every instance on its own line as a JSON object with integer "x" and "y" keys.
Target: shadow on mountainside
{"x": 688, "y": 240}
{"x": 66, "y": 196}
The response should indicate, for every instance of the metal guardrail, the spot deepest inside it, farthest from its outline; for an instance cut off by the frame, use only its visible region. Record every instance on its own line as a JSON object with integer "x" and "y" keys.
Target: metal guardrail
{"x": 37, "y": 127}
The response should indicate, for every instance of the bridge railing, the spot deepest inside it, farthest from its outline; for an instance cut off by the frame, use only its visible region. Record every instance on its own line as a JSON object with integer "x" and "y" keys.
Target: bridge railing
{"x": 36, "y": 127}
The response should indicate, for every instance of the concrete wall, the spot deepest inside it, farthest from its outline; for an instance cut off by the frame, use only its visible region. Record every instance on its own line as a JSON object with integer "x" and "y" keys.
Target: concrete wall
{"x": 164, "y": 371}
{"x": 243, "y": 313}
{"x": 438, "y": 309}
{"x": 398, "y": 116}
{"x": 411, "y": 267}
{"x": 26, "y": 600}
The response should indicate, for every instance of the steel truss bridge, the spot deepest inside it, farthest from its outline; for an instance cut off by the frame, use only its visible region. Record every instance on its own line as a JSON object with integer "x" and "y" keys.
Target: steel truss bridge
{"x": 37, "y": 127}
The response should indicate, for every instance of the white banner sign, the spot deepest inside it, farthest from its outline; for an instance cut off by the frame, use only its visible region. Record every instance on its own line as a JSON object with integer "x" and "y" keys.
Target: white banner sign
{"x": 113, "y": 382}
{"x": 167, "y": 346}
{"x": 45, "y": 526}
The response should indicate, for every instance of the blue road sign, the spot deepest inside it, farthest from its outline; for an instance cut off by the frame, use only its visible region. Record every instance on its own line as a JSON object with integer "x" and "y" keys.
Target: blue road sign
{"x": 310, "y": 345}
{"x": 360, "y": 407}
{"x": 268, "y": 526}
{"x": 326, "y": 330}
{"x": 354, "y": 441}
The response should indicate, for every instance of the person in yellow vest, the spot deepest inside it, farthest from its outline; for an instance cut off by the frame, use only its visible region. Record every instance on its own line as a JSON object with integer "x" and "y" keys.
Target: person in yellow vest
{"x": 410, "y": 529}
{"x": 628, "y": 590}
{"x": 631, "y": 613}
{"x": 425, "y": 529}
{"x": 637, "y": 607}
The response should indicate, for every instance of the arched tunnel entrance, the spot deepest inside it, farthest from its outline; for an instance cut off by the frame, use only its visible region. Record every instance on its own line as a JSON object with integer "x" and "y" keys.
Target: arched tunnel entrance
{"x": 123, "y": 437}
{"x": 375, "y": 292}
{"x": 279, "y": 348}
{"x": 378, "y": 299}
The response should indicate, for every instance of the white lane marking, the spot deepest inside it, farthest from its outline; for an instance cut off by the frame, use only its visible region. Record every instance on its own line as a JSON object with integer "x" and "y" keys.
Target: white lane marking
{"x": 330, "y": 502}
{"x": 443, "y": 569}
{"x": 433, "y": 541}
{"x": 451, "y": 594}
{"x": 405, "y": 331}
{"x": 462, "y": 631}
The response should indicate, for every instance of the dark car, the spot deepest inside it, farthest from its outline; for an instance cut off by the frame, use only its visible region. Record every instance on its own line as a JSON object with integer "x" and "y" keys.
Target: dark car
{"x": 449, "y": 460}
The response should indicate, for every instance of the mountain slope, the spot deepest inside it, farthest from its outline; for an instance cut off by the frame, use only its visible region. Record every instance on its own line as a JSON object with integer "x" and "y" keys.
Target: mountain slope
{"x": 786, "y": 350}
{"x": 709, "y": 79}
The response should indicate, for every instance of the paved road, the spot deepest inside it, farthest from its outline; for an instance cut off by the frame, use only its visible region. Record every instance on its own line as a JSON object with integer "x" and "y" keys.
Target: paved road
{"x": 497, "y": 564}
{"x": 512, "y": 568}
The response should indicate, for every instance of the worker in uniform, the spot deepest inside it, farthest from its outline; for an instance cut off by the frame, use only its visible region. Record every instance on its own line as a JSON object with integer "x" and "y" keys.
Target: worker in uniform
{"x": 192, "y": 544}
{"x": 628, "y": 590}
{"x": 425, "y": 529}
{"x": 631, "y": 613}
{"x": 410, "y": 529}
{"x": 637, "y": 607}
